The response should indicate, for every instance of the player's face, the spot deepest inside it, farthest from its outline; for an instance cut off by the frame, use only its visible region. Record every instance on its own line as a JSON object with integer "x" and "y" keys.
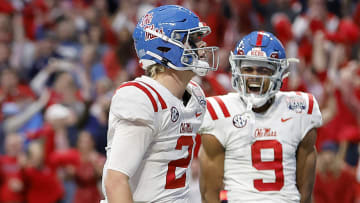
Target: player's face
{"x": 196, "y": 41}
{"x": 254, "y": 81}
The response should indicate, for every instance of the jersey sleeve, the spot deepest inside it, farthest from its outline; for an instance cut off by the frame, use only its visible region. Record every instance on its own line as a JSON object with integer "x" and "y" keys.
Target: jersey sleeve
{"x": 312, "y": 118}
{"x": 131, "y": 129}
{"x": 132, "y": 104}
{"x": 213, "y": 127}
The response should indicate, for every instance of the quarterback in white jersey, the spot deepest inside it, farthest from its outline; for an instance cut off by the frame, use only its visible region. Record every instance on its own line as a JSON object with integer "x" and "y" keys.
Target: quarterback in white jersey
{"x": 259, "y": 144}
{"x": 154, "y": 119}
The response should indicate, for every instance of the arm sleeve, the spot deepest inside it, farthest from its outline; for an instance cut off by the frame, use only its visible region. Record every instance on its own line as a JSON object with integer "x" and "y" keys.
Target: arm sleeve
{"x": 128, "y": 147}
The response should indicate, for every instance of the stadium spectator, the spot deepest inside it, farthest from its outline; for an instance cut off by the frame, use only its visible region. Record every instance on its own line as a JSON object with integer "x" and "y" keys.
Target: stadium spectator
{"x": 11, "y": 178}
{"x": 332, "y": 175}
{"x": 89, "y": 42}
{"x": 88, "y": 173}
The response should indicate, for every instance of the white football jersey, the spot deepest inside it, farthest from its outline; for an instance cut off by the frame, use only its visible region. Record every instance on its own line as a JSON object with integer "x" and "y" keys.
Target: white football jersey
{"x": 260, "y": 149}
{"x": 164, "y": 172}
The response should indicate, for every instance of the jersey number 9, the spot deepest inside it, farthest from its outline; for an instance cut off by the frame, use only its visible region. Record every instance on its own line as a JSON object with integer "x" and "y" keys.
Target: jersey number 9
{"x": 275, "y": 165}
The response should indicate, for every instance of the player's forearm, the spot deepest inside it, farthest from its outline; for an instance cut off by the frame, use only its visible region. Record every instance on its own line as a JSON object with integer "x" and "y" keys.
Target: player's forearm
{"x": 212, "y": 156}
{"x": 210, "y": 196}
{"x": 210, "y": 186}
{"x": 306, "y": 181}
{"x": 117, "y": 188}
{"x": 305, "y": 166}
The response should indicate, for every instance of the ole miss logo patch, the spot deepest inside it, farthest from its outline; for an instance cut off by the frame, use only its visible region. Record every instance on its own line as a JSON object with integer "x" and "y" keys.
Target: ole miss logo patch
{"x": 186, "y": 128}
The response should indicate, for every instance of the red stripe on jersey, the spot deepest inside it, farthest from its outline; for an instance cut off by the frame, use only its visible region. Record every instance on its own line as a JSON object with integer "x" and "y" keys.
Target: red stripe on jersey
{"x": 311, "y": 103}
{"x": 211, "y": 110}
{"x": 222, "y": 106}
{"x": 259, "y": 39}
{"x": 146, "y": 91}
{"x": 193, "y": 83}
{"x": 162, "y": 102}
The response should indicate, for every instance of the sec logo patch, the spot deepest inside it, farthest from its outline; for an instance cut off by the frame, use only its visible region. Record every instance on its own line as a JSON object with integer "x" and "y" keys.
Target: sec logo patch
{"x": 174, "y": 114}
{"x": 240, "y": 121}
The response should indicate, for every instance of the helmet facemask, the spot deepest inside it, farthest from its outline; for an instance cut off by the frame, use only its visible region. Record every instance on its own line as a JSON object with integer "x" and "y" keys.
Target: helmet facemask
{"x": 197, "y": 55}
{"x": 200, "y": 59}
{"x": 257, "y": 89}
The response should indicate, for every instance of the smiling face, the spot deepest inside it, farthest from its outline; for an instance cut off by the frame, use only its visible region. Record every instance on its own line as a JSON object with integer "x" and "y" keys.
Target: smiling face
{"x": 257, "y": 79}
{"x": 258, "y": 65}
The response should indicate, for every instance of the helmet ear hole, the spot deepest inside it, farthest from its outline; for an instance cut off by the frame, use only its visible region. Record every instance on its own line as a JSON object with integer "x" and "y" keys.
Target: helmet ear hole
{"x": 163, "y": 49}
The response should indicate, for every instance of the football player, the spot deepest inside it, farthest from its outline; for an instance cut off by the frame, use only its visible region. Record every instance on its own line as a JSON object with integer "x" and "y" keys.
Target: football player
{"x": 258, "y": 143}
{"x": 154, "y": 119}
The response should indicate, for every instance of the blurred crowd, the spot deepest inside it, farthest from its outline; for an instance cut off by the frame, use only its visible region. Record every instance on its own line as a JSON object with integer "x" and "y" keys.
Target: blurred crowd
{"x": 62, "y": 60}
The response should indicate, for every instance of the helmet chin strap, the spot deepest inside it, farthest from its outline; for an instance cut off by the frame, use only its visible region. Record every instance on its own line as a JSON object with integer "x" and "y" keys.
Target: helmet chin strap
{"x": 200, "y": 67}
{"x": 257, "y": 102}
{"x": 253, "y": 102}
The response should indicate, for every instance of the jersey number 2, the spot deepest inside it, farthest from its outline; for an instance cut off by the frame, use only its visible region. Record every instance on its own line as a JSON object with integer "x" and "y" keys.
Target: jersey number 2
{"x": 275, "y": 165}
{"x": 171, "y": 181}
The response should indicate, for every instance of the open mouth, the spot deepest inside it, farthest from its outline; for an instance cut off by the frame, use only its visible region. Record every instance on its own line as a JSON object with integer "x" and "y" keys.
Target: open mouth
{"x": 254, "y": 88}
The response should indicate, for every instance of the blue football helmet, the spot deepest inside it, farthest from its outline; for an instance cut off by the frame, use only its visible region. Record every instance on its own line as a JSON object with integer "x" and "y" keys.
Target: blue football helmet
{"x": 168, "y": 35}
{"x": 258, "y": 49}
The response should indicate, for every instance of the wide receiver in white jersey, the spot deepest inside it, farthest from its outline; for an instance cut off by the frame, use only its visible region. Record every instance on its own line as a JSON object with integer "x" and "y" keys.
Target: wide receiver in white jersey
{"x": 154, "y": 119}
{"x": 259, "y": 144}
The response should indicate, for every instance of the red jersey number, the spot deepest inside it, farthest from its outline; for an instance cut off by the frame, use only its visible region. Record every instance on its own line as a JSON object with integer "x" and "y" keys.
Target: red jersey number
{"x": 171, "y": 181}
{"x": 275, "y": 165}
